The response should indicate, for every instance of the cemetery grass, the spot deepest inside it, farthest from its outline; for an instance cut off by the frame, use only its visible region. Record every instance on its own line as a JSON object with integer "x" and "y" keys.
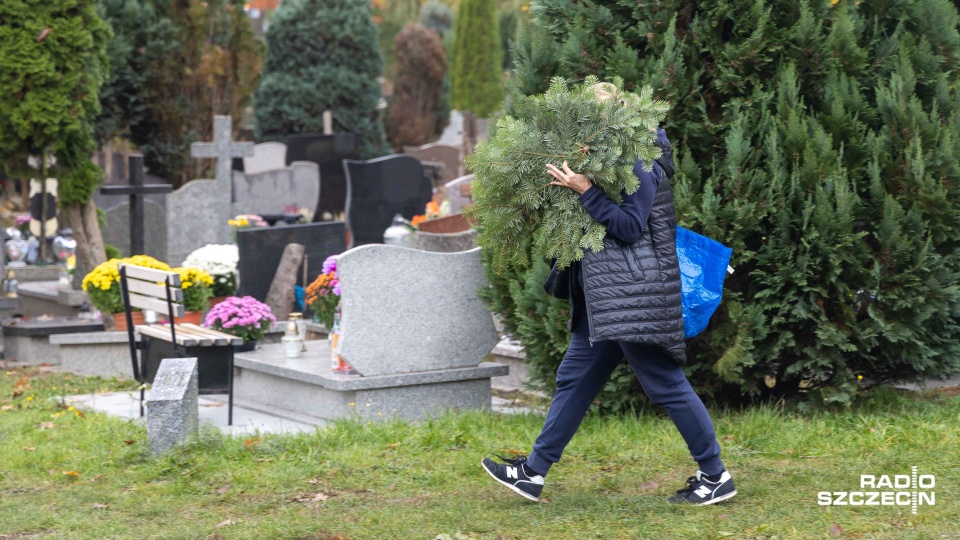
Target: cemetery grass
{"x": 86, "y": 475}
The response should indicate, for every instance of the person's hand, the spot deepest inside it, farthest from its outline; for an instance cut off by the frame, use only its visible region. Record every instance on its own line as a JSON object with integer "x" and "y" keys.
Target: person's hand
{"x": 568, "y": 179}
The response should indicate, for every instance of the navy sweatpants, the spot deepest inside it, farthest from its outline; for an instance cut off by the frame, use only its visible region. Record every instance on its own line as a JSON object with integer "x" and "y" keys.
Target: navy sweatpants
{"x": 583, "y": 372}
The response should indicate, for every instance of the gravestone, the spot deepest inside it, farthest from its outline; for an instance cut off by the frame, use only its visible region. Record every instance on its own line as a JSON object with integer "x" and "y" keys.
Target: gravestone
{"x": 261, "y": 251}
{"x": 281, "y": 295}
{"x": 116, "y": 230}
{"x": 136, "y": 191}
{"x": 268, "y": 156}
{"x": 379, "y": 189}
{"x": 172, "y": 408}
{"x": 197, "y": 213}
{"x": 327, "y": 151}
{"x": 406, "y": 310}
{"x": 444, "y": 242}
{"x": 271, "y": 192}
{"x": 458, "y": 193}
{"x": 448, "y": 156}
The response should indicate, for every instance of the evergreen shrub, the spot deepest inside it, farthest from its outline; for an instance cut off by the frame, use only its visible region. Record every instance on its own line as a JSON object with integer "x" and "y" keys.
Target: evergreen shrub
{"x": 820, "y": 141}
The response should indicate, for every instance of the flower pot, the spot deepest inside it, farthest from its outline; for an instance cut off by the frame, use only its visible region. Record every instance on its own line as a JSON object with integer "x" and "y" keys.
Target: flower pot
{"x": 190, "y": 317}
{"x": 247, "y": 346}
{"x": 214, "y": 300}
{"x": 120, "y": 319}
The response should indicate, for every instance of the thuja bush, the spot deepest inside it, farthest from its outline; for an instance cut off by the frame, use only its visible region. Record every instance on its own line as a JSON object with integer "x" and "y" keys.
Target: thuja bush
{"x": 820, "y": 141}
{"x": 421, "y": 65}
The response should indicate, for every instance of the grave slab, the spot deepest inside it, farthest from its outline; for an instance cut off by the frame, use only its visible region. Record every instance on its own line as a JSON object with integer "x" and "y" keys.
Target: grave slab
{"x": 307, "y": 386}
{"x": 212, "y": 411}
{"x": 39, "y": 298}
{"x": 172, "y": 408}
{"x": 28, "y": 341}
{"x": 94, "y": 354}
{"x": 407, "y": 310}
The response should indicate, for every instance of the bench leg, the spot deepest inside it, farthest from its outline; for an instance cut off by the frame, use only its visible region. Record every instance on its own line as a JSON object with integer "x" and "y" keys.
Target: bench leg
{"x": 230, "y": 393}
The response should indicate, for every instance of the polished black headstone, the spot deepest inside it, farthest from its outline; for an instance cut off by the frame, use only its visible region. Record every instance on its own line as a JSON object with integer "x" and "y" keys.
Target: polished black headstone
{"x": 327, "y": 151}
{"x": 381, "y": 188}
{"x": 262, "y": 248}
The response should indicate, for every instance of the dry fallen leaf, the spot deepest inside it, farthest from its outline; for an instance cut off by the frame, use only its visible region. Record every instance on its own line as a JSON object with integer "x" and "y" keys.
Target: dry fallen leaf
{"x": 251, "y": 442}
{"x": 46, "y": 425}
{"x": 649, "y": 485}
{"x": 6, "y": 408}
{"x": 29, "y": 448}
{"x": 224, "y": 523}
{"x": 97, "y": 477}
{"x": 211, "y": 404}
{"x": 313, "y": 481}
{"x": 836, "y": 530}
{"x": 394, "y": 445}
{"x": 224, "y": 489}
{"x": 264, "y": 460}
{"x": 128, "y": 442}
{"x": 71, "y": 474}
{"x": 99, "y": 506}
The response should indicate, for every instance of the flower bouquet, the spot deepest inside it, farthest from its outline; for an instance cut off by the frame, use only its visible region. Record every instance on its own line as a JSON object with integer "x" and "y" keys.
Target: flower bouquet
{"x": 196, "y": 288}
{"x": 102, "y": 284}
{"x": 323, "y": 295}
{"x": 243, "y": 317}
{"x": 220, "y": 261}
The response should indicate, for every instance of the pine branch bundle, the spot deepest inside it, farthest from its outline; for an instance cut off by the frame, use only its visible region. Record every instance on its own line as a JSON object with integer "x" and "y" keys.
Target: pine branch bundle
{"x": 513, "y": 199}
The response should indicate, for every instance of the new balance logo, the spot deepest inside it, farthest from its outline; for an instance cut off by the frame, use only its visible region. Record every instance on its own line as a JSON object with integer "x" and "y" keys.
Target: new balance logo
{"x": 512, "y": 473}
{"x": 703, "y": 491}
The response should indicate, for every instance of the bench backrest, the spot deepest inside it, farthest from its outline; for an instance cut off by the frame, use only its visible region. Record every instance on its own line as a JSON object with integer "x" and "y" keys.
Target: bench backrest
{"x": 148, "y": 289}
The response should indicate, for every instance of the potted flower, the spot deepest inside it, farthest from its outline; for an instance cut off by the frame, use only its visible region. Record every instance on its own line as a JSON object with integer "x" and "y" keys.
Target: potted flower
{"x": 220, "y": 261}
{"x": 196, "y": 293}
{"x": 102, "y": 285}
{"x": 243, "y": 317}
{"x": 323, "y": 295}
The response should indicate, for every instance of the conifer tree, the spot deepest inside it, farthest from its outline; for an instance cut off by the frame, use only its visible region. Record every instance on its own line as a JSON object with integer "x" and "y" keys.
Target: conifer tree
{"x": 476, "y": 80}
{"x": 52, "y": 63}
{"x": 820, "y": 142}
{"x": 421, "y": 66}
{"x": 322, "y": 55}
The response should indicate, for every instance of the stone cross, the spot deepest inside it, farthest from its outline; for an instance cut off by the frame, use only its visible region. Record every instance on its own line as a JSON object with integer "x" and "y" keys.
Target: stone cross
{"x": 223, "y": 149}
{"x": 172, "y": 408}
{"x": 136, "y": 190}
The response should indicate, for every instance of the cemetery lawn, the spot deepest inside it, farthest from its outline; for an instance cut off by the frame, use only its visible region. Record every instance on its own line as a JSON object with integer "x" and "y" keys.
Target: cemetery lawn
{"x": 64, "y": 475}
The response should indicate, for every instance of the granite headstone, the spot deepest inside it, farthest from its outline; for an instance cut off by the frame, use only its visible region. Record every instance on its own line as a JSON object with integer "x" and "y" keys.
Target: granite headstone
{"x": 379, "y": 189}
{"x": 116, "y": 231}
{"x": 268, "y": 156}
{"x": 406, "y": 310}
{"x": 458, "y": 193}
{"x": 271, "y": 192}
{"x": 447, "y": 156}
{"x": 327, "y": 151}
{"x": 261, "y": 250}
{"x": 172, "y": 413}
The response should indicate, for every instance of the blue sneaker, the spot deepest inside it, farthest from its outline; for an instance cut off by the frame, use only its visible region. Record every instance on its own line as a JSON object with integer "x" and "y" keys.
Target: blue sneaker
{"x": 701, "y": 492}
{"x": 514, "y": 475}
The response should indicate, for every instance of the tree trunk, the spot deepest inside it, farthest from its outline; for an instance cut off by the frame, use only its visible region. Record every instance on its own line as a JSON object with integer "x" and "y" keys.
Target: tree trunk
{"x": 90, "y": 250}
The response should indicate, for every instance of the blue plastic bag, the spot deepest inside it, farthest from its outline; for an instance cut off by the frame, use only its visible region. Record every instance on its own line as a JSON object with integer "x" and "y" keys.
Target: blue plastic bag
{"x": 703, "y": 265}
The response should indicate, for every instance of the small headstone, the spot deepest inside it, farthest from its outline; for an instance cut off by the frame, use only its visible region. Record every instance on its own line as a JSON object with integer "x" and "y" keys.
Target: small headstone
{"x": 261, "y": 251}
{"x": 448, "y": 156}
{"x": 271, "y": 192}
{"x": 327, "y": 151}
{"x": 378, "y": 190}
{"x": 172, "y": 413}
{"x": 406, "y": 310}
{"x": 268, "y": 156}
{"x": 458, "y": 193}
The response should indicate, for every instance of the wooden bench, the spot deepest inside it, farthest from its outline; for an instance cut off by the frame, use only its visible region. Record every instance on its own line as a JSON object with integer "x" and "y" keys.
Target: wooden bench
{"x": 160, "y": 291}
